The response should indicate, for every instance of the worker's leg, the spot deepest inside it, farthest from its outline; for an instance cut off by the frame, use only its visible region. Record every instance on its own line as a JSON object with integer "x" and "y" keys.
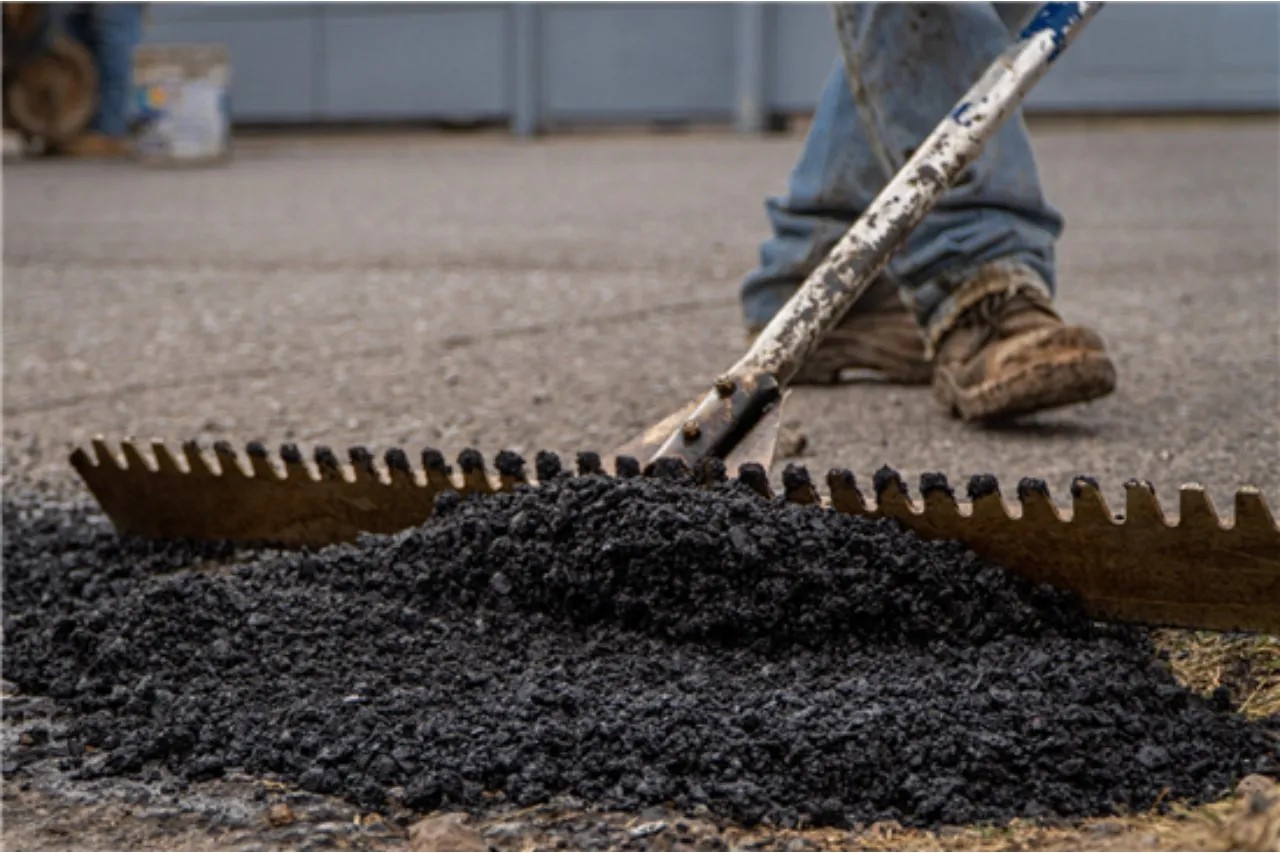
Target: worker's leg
{"x": 117, "y": 31}
{"x": 989, "y": 239}
{"x": 913, "y": 63}
{"x": 978, "y": 272}
{"x": 827, "y": 190}
{"x": 855, "y": 147}
{"x": 55, "y": 18}
{"x": 65, "y": 19}
{"x": 909, "y": 64}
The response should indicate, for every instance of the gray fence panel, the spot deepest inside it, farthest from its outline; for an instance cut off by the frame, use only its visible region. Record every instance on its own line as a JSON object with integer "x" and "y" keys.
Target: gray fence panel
{"x": 1243, "y": 49}
{"x": 182, "y": 13}
{"x": 273, "y": 49}
{"x": 1140, "y": 57}
{"x": 401, "y": 61}
{"x": 802, "y": 50}
{"x": 543, "y": 64}
{"x": 1132, "y": 57}
{"x": 629, "y": 61}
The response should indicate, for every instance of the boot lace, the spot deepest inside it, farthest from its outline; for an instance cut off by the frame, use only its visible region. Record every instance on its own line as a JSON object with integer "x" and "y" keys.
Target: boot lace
{"x": 989, "y": 319}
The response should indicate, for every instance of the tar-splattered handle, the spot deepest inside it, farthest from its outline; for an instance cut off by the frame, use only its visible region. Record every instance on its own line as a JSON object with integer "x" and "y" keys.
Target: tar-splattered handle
{"x": 832, "y": 288}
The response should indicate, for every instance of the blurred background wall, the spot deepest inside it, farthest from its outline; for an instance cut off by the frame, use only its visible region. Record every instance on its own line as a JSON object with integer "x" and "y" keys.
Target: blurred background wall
{"x": 539, "y": 66}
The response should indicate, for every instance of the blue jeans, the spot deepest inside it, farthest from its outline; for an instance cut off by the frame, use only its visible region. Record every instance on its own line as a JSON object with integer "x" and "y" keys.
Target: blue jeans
{"x": 909, "y": 65}
{"x": 110, "y": 31}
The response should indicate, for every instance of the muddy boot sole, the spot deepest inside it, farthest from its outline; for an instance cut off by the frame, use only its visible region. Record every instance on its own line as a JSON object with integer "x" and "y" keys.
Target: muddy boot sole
{"x": 1063, "y": 367}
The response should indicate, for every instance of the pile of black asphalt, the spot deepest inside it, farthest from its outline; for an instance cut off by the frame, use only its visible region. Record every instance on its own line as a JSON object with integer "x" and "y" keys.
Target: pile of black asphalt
{"x": 629, "y": 642}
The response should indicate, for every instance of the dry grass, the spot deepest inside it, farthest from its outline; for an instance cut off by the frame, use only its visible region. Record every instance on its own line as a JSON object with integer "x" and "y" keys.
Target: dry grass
{"x": 1248, "y": 821}
{"x": 1247, "y": 667}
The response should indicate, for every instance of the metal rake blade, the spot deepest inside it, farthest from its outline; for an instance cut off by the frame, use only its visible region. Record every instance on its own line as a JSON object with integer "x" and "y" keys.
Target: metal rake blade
{"x": 1192, "y": 570}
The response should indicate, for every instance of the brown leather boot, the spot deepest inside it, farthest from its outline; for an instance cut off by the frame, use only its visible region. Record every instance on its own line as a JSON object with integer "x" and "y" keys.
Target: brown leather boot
{"x": 1007, "y": 352}
{"x": 878, "y": 335}
{"x": 96, "y": 145}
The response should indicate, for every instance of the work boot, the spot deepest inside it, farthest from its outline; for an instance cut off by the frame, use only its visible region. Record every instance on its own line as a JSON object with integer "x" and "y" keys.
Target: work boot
{"x": 1007, "y": 352}
{"x": 96, "y": 145}
{"x": 878, "y": 335}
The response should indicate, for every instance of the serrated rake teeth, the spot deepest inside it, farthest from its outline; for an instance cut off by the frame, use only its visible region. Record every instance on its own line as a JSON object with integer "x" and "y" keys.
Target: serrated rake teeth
{"x": 1193, "y": 569}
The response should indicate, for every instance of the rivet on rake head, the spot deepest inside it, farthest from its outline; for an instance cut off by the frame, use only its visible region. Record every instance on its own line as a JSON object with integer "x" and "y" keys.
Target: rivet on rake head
{"x": 725, "y": 386}
{"x": 691, "y": 430}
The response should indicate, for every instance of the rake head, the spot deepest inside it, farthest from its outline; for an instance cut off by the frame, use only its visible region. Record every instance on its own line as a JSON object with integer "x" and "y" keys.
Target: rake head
{"x": 1193, "y": 569}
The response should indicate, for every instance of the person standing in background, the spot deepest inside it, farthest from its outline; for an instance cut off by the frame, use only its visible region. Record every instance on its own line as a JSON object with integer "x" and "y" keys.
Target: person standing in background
{"x": 111, "y": 32}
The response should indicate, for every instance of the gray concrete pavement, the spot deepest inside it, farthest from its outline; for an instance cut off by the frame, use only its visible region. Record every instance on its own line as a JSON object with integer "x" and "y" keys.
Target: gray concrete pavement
{"x": 456, "y": 291}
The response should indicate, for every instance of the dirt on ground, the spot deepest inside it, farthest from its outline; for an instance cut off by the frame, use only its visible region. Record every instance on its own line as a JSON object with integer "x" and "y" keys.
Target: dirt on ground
{"x": 214, "y": 817}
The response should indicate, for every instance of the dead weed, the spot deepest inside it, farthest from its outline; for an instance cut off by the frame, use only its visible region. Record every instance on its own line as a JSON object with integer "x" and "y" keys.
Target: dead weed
{"x": 1247, "y": 668}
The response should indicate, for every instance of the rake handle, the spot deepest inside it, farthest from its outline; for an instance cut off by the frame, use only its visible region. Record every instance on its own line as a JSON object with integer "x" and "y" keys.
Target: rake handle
{"x": 846, "y": 274}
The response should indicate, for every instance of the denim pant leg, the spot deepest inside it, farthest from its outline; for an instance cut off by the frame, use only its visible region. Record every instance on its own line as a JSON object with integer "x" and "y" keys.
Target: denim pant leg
{"x": 909, "y": 64}
{"x": 117, "y": 30}
{"x": 55, "y": 20}
{"x": 827, "y": 190}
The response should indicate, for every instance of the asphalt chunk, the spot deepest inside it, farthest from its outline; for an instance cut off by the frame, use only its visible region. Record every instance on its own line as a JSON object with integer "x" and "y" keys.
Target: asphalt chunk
{"x": 628, "y": 642}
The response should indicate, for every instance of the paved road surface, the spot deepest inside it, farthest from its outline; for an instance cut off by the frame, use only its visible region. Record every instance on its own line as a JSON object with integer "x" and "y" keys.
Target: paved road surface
{"x": 455, "y": 291}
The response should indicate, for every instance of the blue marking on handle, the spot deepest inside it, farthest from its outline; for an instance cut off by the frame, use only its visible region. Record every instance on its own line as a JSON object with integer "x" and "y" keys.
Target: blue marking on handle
{"x": 958, "y": 113}
{"x": 1056, "y": 18}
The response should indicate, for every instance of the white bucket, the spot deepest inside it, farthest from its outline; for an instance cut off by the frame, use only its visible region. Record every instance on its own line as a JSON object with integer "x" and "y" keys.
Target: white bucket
{"x": 182, "y": 104}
